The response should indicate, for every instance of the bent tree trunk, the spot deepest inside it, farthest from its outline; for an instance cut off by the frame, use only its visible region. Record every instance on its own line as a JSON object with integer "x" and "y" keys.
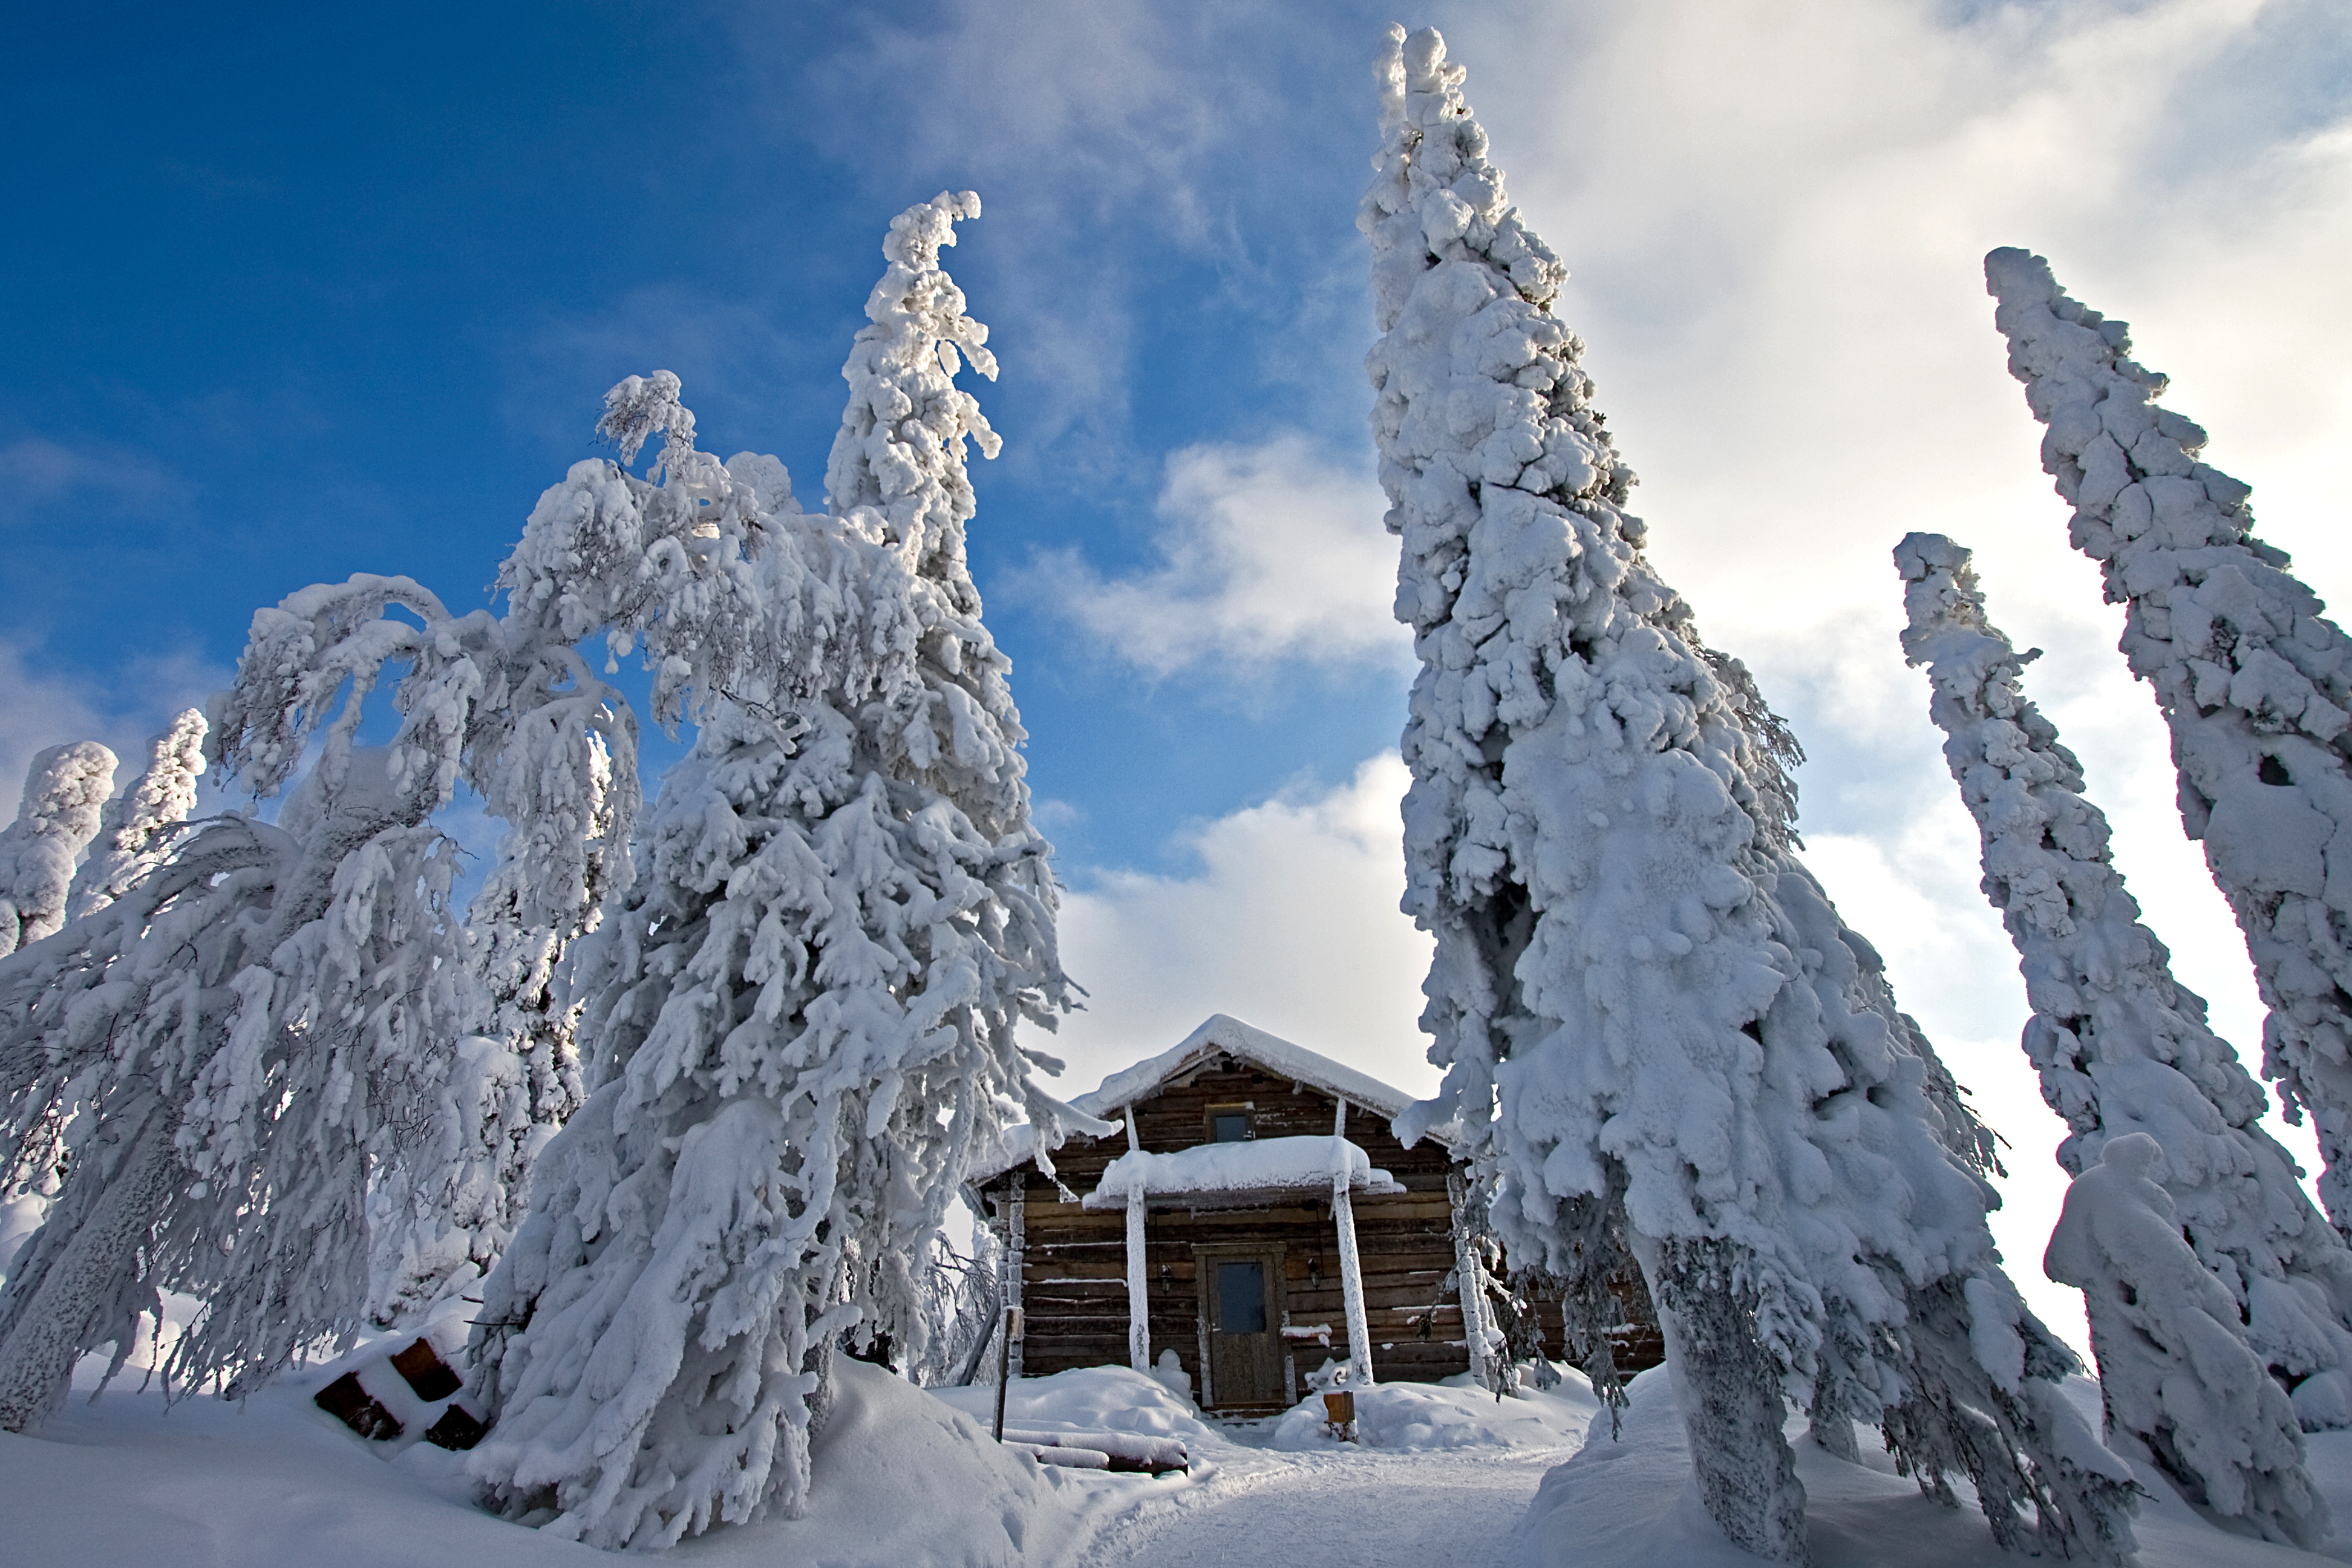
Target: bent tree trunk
{"x": 74, "y": 1275}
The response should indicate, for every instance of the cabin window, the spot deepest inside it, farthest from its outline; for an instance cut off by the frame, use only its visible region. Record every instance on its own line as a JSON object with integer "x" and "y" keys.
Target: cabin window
{"x": 1241, "y": 1298}
{"x": 1229, "y": 1127}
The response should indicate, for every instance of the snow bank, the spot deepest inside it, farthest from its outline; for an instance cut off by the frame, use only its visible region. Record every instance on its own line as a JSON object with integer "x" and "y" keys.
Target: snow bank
{"x": 1455, "y": 1413}
{"x": 902, "y": 1481}
{"x": 1633, "y": 1504}
{"x": 1262, "y": 1164}
{"x": 1088, "y": 1399}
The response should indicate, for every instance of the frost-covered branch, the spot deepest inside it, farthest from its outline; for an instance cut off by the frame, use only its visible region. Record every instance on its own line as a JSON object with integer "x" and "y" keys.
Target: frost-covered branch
{"x": 1637, "y": 986}
{"x": 2254, "y": 681}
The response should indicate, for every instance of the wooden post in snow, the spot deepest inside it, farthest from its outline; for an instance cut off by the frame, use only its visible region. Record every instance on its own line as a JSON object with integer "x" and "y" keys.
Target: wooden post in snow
{"x": 1139, "y": 1297}
{"x": 1016, "y": 1246}
{"x": 1351, "y": 1274}
{"x": 1471, "y": 1276}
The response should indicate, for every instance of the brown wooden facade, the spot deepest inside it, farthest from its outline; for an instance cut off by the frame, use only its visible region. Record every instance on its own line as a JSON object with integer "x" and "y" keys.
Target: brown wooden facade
{"x": 1075, "y": 1273}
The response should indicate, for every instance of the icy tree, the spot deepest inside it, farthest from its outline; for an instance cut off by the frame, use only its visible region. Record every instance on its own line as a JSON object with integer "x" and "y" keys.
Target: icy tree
{"x": 226, "y": 1051}
{"x": 2175, "y": 1373}
{"x": 1637, "y": 989}
{"x": 800, "y": 1026}
{"x": 2121, "y": 1047}
{"x": 138, "y": 827}
{"x": 65, "y": 798}
{"x": 2253, "y": 680}
{"x": 282, "y": 1039}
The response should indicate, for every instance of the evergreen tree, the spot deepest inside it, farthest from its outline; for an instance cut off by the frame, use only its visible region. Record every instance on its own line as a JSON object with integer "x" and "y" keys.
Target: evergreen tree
{"x": 801, "y": 1026}
{"x": 63, "y": 805}
{"x": 2121, "y": 1047}
{"x": 2253, "y": 680}
{"x": 1637, "y": 989}
{"x": 138, "y": 827}
{"x": 2178, "y": 1383}
{"x": 225, "y": 1053}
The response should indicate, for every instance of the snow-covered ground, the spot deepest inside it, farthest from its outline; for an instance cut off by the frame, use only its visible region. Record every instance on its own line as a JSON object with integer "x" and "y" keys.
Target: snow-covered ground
{"x": 1443, "y": 1474}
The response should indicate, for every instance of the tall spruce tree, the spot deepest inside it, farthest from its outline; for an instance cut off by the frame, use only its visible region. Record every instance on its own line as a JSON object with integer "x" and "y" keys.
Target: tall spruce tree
{"x": 1638, "y": 995}
{"x": 2123, "y": 1049}
{"x": 2254, "y": 682}
{"x": 802, "y": 1025}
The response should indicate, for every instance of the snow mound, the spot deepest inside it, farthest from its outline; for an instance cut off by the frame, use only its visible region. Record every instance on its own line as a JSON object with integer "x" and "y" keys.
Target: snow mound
{"x": 1456, "y": 1413}
{"x": 1633, "y": 1504}
{"x": 1086, "y": 1399}
{"x": 898, "y": 1479}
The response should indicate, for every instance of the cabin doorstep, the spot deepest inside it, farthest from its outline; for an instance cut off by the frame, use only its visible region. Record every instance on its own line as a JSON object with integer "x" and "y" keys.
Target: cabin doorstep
{"x": 1254, "y": 1215}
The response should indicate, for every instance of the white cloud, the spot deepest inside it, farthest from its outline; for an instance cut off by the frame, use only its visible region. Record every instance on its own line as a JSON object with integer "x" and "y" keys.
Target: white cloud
{"x": 1290, "y": 924}
{"x": 91, "y": 483}
{"x": 1270, "y": 552}
{"x": 39, "y": 708}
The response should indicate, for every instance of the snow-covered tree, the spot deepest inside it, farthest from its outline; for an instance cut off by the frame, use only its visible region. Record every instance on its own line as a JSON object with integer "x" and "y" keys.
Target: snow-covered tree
{"x": 282, "y": 1040}
{"x": 65, "y": 799}
{"x": 1637, "y": 989}
{"x": 138, "y": 827}
{"x": 801, "y": 1025}
{"x": 226, "y": 1051}
{"x": 2253, "y": 680}
{"x": 2123, "y": 1049}
{"x": 2177, "y": 1381}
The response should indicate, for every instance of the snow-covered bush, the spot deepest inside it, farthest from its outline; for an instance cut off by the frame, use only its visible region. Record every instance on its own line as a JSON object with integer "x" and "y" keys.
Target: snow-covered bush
{"x": 2121, "y": 1047}
{"x": 137, "y": 828}
{"x": 2253, "y": 680}
{"x": 63, "y": 804}
{"x": 2177, "y": 1378}
{"x": 800, "y": 1026}
{"x": 1635, "y": 982}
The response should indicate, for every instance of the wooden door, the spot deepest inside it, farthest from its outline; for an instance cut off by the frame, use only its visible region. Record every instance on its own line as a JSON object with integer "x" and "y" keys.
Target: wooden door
{"x": 1245, "y": 1320}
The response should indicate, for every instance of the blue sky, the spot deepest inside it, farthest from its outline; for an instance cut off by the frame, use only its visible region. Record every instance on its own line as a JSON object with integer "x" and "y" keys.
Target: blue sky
{"x": 301, "y": 291}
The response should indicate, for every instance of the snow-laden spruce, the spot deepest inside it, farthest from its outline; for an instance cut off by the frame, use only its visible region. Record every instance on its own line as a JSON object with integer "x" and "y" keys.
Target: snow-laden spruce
{"x": 281, "y": 1077}
{"x": 1637, "y": 989}
{"x": 2254, "y": 681}
{"x": 223, "y": 1054}
{"x": 2123, "y": 1049}
{"x": 63, "y": 805}
{"x": 2176, "y": 1377}
{"x": 801, "y": 1024}
{"x": 138, "y": 827}
{"x": 510, "y": 705}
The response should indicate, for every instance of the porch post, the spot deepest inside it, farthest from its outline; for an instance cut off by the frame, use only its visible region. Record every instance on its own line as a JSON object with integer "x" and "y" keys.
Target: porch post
{"x": 1139, "y": 1300}
{"x": 1352, "y": 1276}
{"x": 1470, "y": 1275}
{"x": 1016, "y": 1248}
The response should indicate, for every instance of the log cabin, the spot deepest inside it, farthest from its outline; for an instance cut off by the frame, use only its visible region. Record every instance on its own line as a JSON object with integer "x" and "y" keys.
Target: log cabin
{"x": 1255, "y": 1216}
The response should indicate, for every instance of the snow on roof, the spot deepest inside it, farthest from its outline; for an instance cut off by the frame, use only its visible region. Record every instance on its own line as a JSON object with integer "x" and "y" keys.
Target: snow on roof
{"x": 1260, "y": 1165}
{"x": 1222, "y": 1034}
{"x": 1236, "y": 1038}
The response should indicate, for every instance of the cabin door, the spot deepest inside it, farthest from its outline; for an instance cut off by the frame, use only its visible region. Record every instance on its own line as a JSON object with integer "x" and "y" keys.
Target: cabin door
{"x": 1244, "y": 1323}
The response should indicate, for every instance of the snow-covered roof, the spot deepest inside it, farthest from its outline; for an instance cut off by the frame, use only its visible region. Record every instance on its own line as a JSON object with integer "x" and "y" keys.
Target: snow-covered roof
{"x": 1254, "y": 1168}
{"x": 1228, "y": 1036}
{"x": 1236, "y": 1038}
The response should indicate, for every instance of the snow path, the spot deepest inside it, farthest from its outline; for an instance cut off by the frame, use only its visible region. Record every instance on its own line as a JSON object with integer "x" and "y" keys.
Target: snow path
{"x": 1335, "y": 1511}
